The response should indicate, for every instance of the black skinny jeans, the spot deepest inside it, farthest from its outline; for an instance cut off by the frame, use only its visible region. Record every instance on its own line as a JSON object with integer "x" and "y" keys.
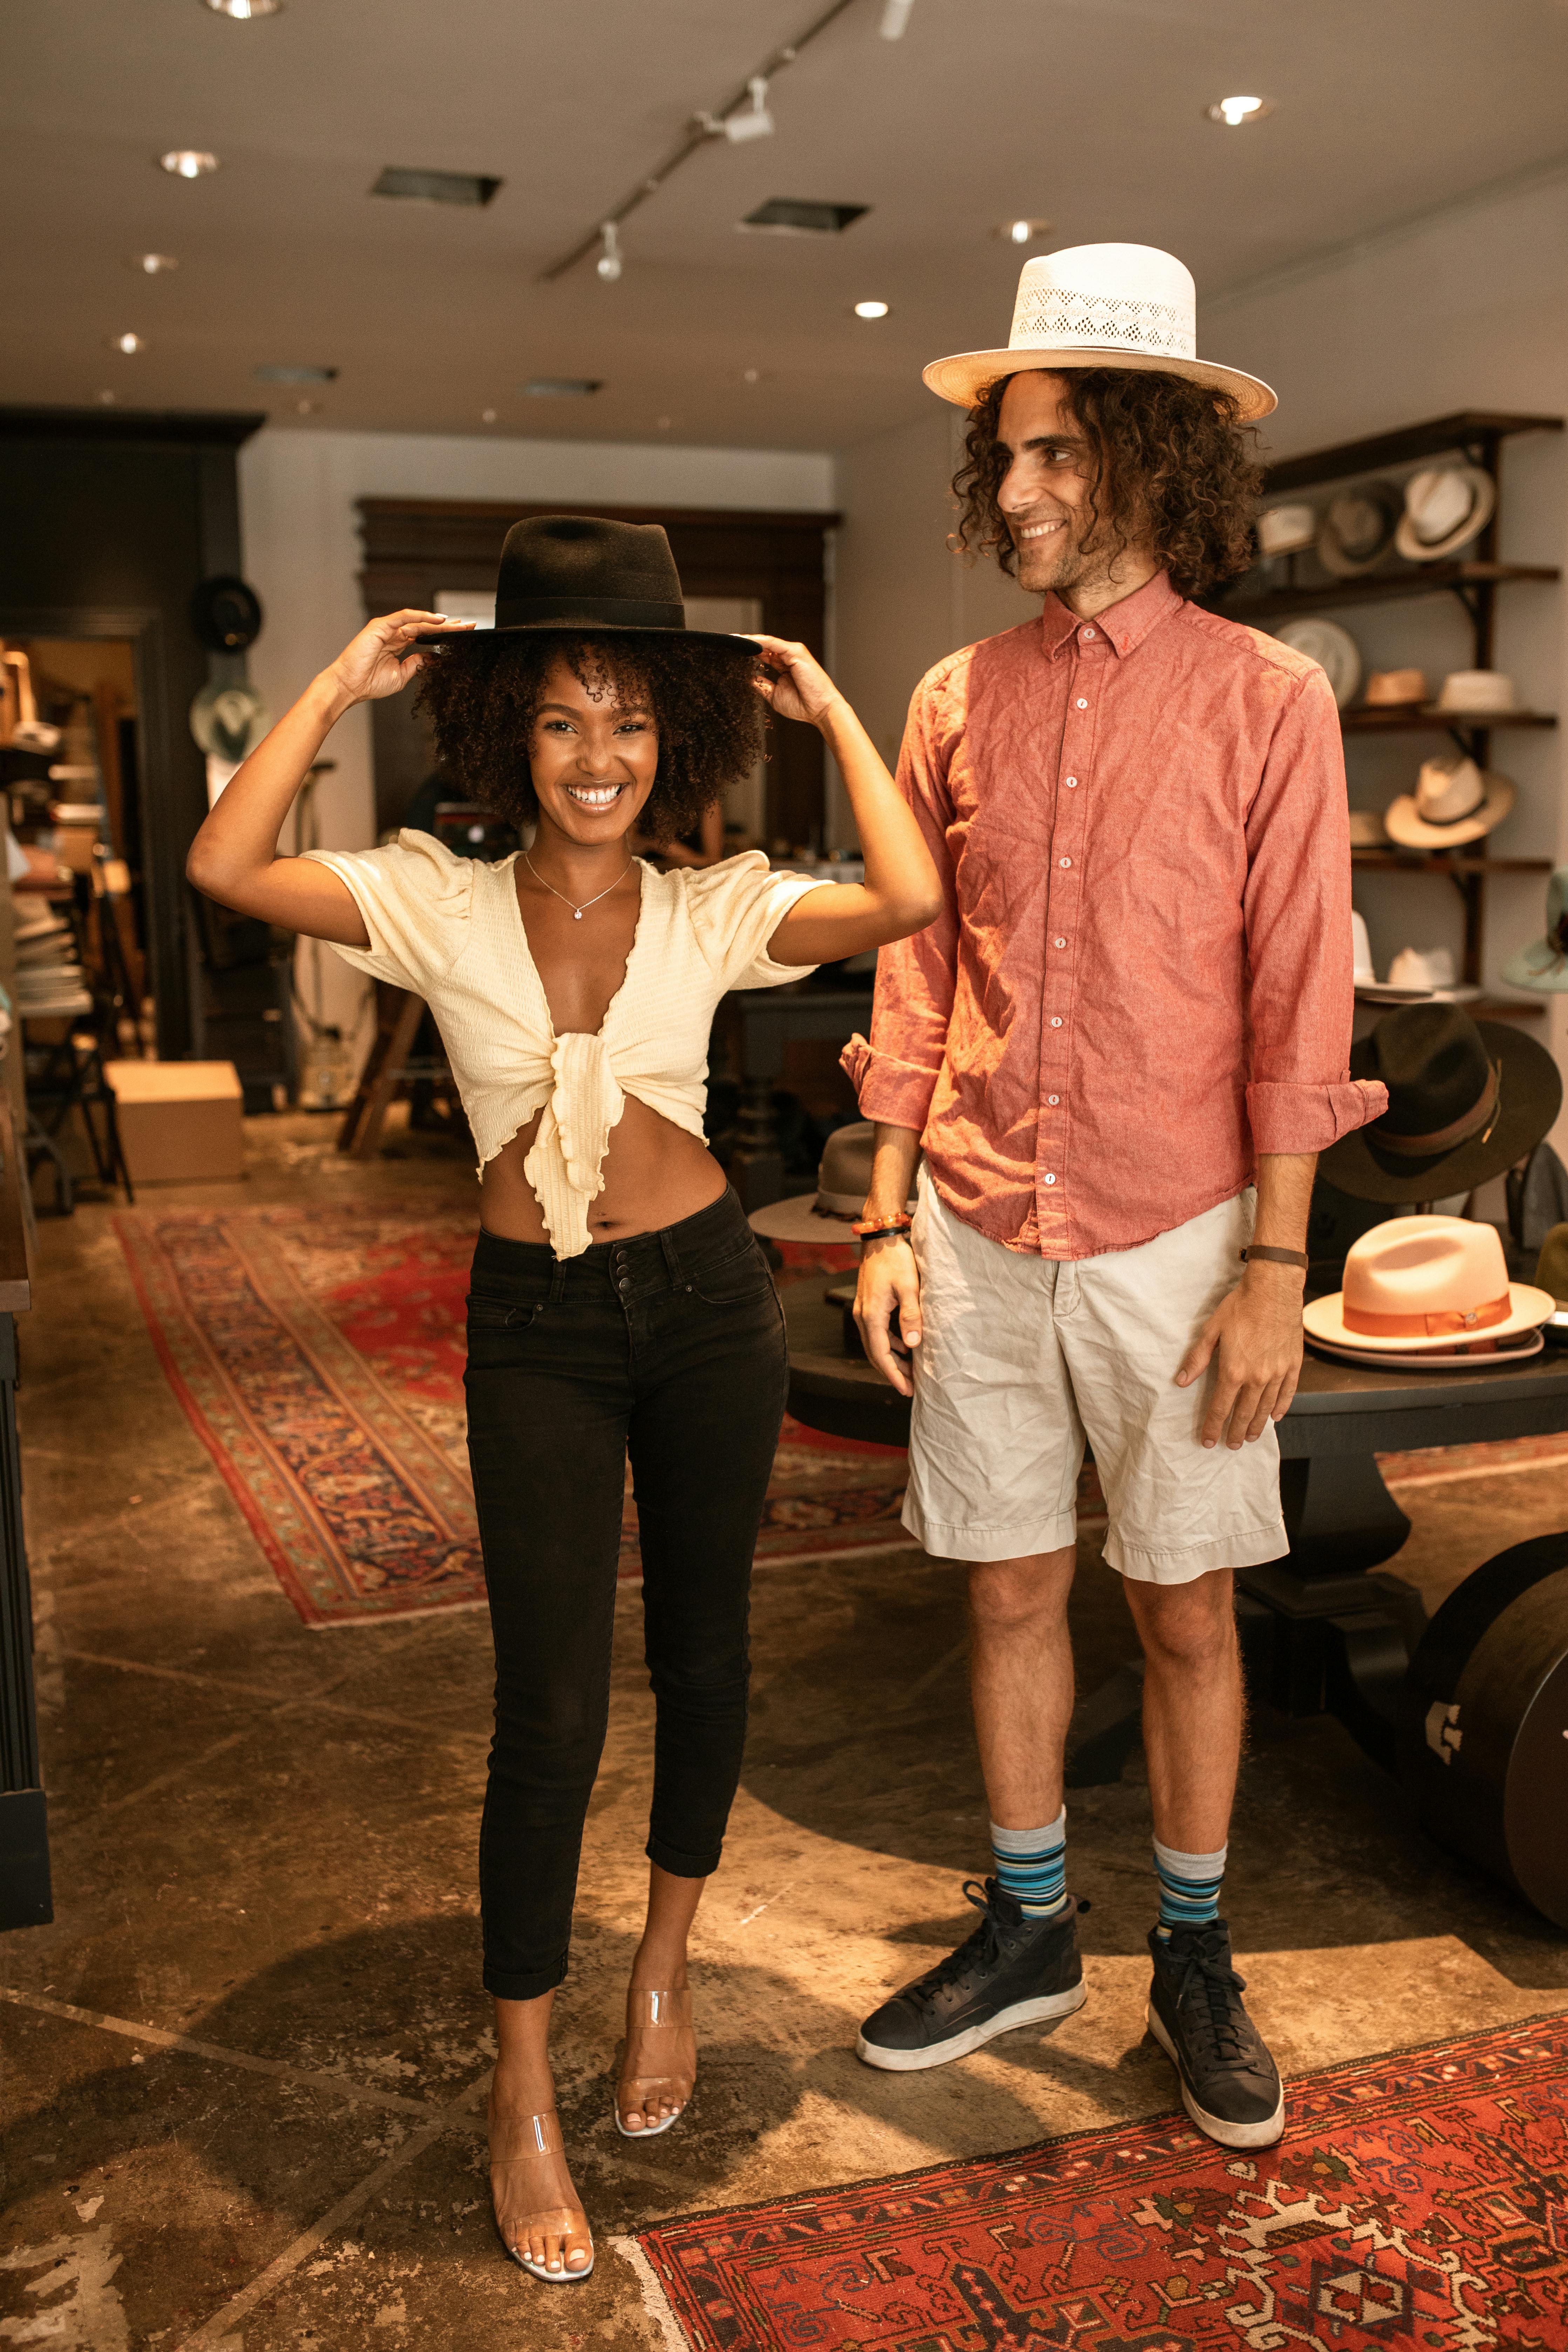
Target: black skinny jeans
{"x": 669, "y": 1345}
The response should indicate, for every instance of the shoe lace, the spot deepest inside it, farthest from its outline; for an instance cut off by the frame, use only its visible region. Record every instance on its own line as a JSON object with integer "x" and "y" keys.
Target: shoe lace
{"x": 1214, "y": 1991}
{"x": 979, "y": 1950}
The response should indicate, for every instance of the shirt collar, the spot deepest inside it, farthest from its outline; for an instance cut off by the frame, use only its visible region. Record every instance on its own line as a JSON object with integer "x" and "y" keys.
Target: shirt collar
{"x": 1123, "y": 626}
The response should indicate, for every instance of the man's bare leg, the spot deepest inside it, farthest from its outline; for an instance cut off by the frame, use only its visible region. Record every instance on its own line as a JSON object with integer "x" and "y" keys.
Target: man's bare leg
{"x": 1192, "y": 1706}
{"x": 1021, "y": 1682}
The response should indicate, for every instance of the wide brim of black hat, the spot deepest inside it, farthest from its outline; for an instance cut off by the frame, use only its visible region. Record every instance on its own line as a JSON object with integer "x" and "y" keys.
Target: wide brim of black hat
{"x": 1531, "y": 1099}
{"x": 449, "y": 638}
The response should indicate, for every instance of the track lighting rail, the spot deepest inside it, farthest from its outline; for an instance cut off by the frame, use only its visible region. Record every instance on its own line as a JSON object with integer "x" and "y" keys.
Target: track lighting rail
{"x": 702, "y": 128}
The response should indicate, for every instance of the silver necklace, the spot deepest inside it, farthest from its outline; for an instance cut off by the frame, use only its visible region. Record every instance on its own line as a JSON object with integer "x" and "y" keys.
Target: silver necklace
{"x": 577, "y": 912}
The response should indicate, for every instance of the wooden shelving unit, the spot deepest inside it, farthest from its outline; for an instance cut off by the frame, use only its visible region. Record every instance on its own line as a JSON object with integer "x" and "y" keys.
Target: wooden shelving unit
{"x": 1476, "y": 434}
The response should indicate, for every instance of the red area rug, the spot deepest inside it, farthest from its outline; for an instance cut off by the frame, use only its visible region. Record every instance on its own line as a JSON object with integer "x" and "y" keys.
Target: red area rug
{"x": 319, "y": 1353}
{"x": 1417, "y": 2200}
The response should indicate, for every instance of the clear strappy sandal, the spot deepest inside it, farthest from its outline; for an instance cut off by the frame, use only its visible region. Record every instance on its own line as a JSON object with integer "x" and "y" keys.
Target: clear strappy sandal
{"x": 653, "y": 2012}
{"x": 540, "y": 2136}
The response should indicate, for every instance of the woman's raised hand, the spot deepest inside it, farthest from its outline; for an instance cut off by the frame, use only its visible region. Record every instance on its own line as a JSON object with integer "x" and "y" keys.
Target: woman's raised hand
{"x": 793, "y": 682}
{"x": 385, "y": 655}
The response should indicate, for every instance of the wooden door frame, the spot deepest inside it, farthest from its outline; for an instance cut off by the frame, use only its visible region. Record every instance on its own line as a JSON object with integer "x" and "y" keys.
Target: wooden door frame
{"x": 415, "y": 547}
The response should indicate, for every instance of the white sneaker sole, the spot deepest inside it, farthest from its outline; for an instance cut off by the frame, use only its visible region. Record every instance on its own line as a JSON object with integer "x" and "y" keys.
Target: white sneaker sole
{"x": 958, "y": 2045}
{"x": 1217, "y": 2127}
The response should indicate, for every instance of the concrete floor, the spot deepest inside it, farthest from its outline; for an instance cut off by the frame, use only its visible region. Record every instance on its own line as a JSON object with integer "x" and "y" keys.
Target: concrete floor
{"x": 245, "y": 2066}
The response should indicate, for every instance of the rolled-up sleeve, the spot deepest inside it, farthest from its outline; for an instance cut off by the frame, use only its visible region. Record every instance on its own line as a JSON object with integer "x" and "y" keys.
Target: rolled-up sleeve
{"x": 1300, "y": 1095}
{"x": 894, "y": 1073}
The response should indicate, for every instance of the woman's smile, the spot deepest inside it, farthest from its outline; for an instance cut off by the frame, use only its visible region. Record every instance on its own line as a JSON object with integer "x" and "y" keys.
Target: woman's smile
{"x": 595, "y": 796}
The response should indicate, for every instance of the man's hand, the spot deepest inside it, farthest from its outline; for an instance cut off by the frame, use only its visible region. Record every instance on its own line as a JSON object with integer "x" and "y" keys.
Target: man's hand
{"x": 890, "y": 1283}
{"x": 1254, "y": 1338}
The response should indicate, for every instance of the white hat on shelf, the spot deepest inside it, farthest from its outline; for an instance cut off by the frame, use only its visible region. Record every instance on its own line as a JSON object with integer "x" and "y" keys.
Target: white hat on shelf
{"x": 1454, "y": 801}
{"x": 1445, "y": 507}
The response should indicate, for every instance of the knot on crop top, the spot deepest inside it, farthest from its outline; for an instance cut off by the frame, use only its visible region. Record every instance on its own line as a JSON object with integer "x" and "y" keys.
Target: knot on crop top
{"x": 565, "y": 1165}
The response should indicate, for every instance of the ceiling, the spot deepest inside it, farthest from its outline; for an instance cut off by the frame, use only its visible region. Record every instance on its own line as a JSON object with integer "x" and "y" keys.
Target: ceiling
{"x": 1087, "y": 112}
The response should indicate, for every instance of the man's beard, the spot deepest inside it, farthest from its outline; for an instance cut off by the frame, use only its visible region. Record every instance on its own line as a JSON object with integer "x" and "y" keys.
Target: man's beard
{"x": 1060, "y": 562}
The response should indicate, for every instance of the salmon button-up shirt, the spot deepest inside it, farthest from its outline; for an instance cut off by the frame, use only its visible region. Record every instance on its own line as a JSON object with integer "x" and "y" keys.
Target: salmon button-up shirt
{"x": 1141, "y": 978}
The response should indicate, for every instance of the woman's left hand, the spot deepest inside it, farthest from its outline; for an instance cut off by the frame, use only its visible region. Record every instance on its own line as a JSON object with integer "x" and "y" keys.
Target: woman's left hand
{"x": 794, "y": 683}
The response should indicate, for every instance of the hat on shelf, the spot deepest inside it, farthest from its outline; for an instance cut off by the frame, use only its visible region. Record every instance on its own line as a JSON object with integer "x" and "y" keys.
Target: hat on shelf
{"x": 1445, "y": 506}
{"x": 585, "y": 572}
{"x": 1425, "y": 968}
{"x": 1334, "y": 649}
{"x": 227, "y": 723}
{"x": 1466, "y": 1100}
{"x": 1358, "y": 528}
{"x": 1284, "y": 530}
{"x": 1100, "y": 306}
{"x": 1395, "y": 690}
{"x": 1368, "y": 830}
{"x": 1543, "y": 964}
{"x": 1454, "y": 801}
{"x": 1478, "y": 691}
{"x": 843, "y": 1181}
{"x": 1360, "y": 948}
{"x": 1416, "y": 1287}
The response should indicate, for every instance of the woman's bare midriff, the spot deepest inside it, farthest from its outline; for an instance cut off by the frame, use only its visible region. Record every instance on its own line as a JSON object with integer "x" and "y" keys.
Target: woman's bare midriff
{"x": 655, "y": 1174}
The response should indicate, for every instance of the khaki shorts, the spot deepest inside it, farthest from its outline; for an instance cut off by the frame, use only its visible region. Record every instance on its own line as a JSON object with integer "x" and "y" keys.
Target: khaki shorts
{"x": 1022, "y": 1357}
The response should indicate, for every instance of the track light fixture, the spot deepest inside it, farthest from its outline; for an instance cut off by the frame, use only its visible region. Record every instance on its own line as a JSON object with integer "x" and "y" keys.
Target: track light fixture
{"x": 609, "y": 261}
{"x": 752, "y": 121}
{"x": 895, "y": 18}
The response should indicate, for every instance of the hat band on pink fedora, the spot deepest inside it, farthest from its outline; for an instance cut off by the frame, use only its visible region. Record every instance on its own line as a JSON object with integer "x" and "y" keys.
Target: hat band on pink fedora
{"x": 1481, "y": 1118}
{"x": 1426, "y": 1326}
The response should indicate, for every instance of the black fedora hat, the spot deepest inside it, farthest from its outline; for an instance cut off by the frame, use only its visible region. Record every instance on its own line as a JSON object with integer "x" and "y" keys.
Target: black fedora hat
{"x": 587, "y": 572}
{"x": 1466, "y": 1100}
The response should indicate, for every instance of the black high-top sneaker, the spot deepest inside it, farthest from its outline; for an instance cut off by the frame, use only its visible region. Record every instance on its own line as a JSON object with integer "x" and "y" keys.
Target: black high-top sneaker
{"x": 1013, "y": 1970}
{"x": 1230, "y": 2084}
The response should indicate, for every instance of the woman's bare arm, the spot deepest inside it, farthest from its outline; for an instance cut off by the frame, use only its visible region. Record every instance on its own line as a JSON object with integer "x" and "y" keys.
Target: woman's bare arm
{"x": 900, "y": 893}
{"x": 234, "y": 858}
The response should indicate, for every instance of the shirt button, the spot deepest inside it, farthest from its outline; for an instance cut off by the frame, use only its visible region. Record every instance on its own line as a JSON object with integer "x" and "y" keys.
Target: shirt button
{"x": 1058, "y": 943}
{"x": 1082, "y": 703}
{"x": 1051, "y": 1179}
{"x": 1056, "y": 1021}
{"x": 1089, "y": 633}
{"x": 1053, "y": 1100}
{"x": 1072, "y": 783}
{"x": 1064, "y": 861}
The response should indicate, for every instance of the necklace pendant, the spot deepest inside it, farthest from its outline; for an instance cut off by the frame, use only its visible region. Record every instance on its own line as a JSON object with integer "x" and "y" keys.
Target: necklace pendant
{"x": 576, "y": 914}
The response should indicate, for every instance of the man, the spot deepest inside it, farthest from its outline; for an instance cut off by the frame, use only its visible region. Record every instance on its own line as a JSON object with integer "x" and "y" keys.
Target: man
{"x": 1121, "y": 1046}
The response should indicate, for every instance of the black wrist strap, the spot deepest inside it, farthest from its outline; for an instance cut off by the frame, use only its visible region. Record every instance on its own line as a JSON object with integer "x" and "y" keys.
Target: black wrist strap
{"x": 1275, "y": 1257}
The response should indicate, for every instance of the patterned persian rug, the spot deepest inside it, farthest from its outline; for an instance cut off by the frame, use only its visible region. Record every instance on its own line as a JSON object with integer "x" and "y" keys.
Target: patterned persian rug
{"x": 1417, "y": 2200}
{"x": 319, "y": 1354}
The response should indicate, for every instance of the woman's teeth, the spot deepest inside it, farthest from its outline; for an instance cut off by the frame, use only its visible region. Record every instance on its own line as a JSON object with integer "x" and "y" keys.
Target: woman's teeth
{"x": 595, "y": 796}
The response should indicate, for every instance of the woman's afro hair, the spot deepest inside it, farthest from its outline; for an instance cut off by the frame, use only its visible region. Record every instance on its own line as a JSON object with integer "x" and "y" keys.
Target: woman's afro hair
{"x": 483, "y": 697}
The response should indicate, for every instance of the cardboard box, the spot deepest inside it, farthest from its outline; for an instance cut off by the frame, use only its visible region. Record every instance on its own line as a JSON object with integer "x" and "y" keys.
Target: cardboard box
{"x": 180, "y": 1122}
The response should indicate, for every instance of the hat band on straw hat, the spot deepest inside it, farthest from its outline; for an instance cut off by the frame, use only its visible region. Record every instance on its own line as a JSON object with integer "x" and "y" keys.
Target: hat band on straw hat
{"x": 1064, "y": 319}
{"x": 516, "y": 612}
{"x": 1481, "y": 1117}
{"x": 1426, "y": 1326}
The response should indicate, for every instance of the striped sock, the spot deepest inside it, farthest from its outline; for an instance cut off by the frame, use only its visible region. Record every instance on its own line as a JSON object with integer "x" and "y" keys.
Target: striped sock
{"x": 1031, "y": 1866}
{"x": 1189, "y": 1887}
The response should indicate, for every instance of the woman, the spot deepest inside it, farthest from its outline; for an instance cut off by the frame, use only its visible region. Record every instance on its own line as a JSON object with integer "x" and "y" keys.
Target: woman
{"x": 619, "y": 1300}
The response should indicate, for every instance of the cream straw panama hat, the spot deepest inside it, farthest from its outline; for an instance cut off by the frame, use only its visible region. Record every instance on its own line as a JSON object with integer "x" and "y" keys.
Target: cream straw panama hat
{"x": 1420, "y": 1284}
{"x": 1118, "y": 306}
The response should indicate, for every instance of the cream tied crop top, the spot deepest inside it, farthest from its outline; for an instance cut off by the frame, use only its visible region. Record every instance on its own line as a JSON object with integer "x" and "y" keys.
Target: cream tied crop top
{"x": 450, "y": 930}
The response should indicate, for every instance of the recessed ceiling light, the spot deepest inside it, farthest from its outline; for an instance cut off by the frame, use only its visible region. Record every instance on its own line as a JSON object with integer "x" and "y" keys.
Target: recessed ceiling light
{"x": 152, "y": 264}
{"x": 1238, "y": 111}
{"x": 435, "y": 188}
{"x": 293, "y": 374}
{"x": 305, "y": 409}
{"x": 126, "y": 343}
{"x": 487, "y": 416}
{"x": 870, "y": 310}
{"x": 107, "y": 399}
{"x": 1022, "y": 232}
{"x": 802, "y": 216}
{"x": 188, "y": 163}
{"x": 751, "y": 376}
{"x": 242, "y": 11}
{"x": 562, "y": 387}
{"x": 664, "y": 424}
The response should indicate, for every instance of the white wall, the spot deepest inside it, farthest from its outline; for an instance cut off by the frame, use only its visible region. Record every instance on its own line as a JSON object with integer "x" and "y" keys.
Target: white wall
{"x": 1466, "y": 311}
{"x": 302, "y": 554}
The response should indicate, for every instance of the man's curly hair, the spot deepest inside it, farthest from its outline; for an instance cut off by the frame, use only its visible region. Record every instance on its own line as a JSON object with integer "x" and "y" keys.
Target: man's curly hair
{"x": 1173, "y": 468}
{"x": 483, "y": 698}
